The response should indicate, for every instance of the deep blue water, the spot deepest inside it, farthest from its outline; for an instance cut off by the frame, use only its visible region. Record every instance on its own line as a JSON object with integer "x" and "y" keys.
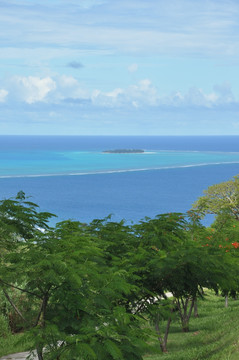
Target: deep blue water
{"x": 128, "y": 195}
{"x": 62, "y": 143}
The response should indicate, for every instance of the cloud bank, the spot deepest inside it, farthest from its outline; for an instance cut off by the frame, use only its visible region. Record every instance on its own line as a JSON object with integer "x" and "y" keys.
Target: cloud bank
{"x": 143, "y": 94}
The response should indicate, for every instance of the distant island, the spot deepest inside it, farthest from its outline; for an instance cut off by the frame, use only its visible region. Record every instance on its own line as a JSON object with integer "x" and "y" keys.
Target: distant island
{"x": 124, "y": 151}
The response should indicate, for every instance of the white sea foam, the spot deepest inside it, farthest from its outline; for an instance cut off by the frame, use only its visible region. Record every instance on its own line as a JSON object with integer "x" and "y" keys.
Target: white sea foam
{"x": 149, "y": 152}
{"x": 112, "y": 171}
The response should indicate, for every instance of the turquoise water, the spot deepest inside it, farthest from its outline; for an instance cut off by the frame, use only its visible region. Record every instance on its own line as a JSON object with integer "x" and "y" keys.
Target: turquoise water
{"x": 169, "y": 177}
{"x": 49, "y": 163}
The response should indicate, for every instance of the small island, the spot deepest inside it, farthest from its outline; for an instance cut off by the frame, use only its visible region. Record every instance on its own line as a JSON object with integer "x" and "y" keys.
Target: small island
{"x": 124, "y": 151}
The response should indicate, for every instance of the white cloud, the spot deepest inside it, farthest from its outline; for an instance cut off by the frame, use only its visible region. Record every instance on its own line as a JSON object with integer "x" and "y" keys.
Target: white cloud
{"x": 221, "y": 95}
{"x": 60, "y": 88}
{"x": 31, "y": 89}
{"x": 144, "y": 93}
{"x": 196, "y": 97}
{"x": 69, "y": 87}
{"x": 113, "y": 98}
{"x": 3, "y": 95}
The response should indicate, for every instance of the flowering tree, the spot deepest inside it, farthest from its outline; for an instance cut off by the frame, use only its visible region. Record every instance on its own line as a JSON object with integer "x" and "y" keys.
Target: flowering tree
{"x": 224, "y": 234}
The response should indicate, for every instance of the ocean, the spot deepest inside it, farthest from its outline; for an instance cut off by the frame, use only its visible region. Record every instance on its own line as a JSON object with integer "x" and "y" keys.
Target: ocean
{"x": 71, "y": 177}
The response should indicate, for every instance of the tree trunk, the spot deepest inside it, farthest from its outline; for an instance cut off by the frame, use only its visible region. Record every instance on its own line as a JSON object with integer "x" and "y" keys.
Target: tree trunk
{"x": 163, "y": 347}
{"x": 185, "y": 314}
{"x": 185, "y": 324}
{"x": 195, "y": 308}
{"x": 226, "y": 301}
{"x": 163, "y": 344}
{"x": 163, "y": 340}
{"x": 40, "y": 353}
{"x": 14, "y": 306}
{"x": 41, "y": 324}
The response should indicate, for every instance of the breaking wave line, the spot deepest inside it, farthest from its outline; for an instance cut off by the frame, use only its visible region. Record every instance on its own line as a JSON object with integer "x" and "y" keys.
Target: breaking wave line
{"x": 100, "y": 172}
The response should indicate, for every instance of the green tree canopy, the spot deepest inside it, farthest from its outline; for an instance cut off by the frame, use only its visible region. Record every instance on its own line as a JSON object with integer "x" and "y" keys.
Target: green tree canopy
{"x": 220, "y": 198}
{"x": 78, "y": 294}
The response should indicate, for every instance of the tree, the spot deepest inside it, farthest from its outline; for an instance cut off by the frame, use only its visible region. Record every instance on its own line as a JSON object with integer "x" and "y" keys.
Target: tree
{"x": 91, "y": 287}
{"x": 20, "y": 222}
{"x": 220, "y": 198}
{"x": 79, "y": 300}
{"x": 159, "y": 269}
{"x": 176, "y": 261}
{"x": 223, "y": 235}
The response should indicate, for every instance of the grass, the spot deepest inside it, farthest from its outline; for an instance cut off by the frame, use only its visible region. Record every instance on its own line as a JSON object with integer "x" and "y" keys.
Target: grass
{"x": 12, "y": 344}
{"x": 213, "y": 336}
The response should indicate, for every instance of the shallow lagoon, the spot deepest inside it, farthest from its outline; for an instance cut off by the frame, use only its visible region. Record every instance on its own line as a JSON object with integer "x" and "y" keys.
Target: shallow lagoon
{"x": 171, "y": 180}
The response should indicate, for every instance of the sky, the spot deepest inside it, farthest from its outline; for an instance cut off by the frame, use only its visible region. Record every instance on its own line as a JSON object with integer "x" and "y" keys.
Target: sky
{"x": 128, "y": 67}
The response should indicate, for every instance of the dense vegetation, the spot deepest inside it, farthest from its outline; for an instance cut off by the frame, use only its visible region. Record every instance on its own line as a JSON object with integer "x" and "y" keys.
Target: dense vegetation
{"x": 90, "y": 291}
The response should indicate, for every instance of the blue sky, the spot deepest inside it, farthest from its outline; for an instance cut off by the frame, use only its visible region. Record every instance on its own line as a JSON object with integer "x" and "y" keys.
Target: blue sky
{"x": 128, "y": 67}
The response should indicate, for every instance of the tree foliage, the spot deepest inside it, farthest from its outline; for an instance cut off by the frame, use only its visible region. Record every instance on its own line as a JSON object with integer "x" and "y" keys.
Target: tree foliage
{"x": 85, "y": 291}
{"x": 78, "y": 300}
{"x": 220, "y": 198}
